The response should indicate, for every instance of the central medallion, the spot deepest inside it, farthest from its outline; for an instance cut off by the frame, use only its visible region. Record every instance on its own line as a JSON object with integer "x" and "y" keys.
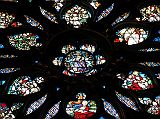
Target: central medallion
{"x": 79, "y": 62}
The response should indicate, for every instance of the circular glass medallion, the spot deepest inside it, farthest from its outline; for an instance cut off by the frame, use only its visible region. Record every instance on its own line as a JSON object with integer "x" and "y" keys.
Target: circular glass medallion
{"x": 79, "y": 62}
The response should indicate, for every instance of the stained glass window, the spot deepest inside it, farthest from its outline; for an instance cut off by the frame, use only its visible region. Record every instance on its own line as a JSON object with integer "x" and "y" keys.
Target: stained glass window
{"x": 110, "y": 109}
{"x": 77, "y": 16}
{"x": 24, "y": 41}
{"x": 153, "y": 105}
{"x": 24, "y": 85}
{"x": 1, "y": 46}
{"x": 79, "y": 59}
{"x": 151, "y": 64}
{"x": 6, "y": 112}
{"x": 2, "y": 82}
{"x": 157, "y": 39}
{"x": 58, "y": 4}
{"x": 8, "y": 56}
{"x": 33, "y": 22}
{"x": 131, "y": 36}
{"x": 150, "y": 13}
{"x": 95, "y": 3}
{"x": 35, "y": 105}
{"x": 48, "y": 15}
{"x": 6, "y": 19}
{"x": 105, "y": 13}
{"x": 9, "y": 70}
{"x": 136, "y": 81}
{"x": 53, "y": 111}
{"x": 127, "y": 101}
{"x": 150, "y": 50}
{"x": 81, "y": 109}
{"x": 121, "y": 18}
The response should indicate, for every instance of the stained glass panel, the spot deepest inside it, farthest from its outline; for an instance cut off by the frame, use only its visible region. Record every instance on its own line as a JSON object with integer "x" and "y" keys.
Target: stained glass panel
{"x": 35, "y": 105}
{"x": 53, "y": 111}
{"x": 2, "y": 82}
{"x": 81, "y": 109}
{"x": 6, "y": 19}
{"x": 157, "y": 39}
{"x": 95, "y": 3}
{"x": 8, "y": 70}
{"x": 79, "y": 62}
{"x": 105, "y": 13}
{"x": 150, "y": 50}
{"x": 48, "y": 15}
{"x": 131, "y": 35}
{"x": 24, "y": 85}
{"x": 154, "y": 105}
{"x": 1, "y": 46}
{"x": 24, "y": 41}
{"x": 8, "y": 56}
{"x": 110, "y": 109}
{"x": 136, "y": 81}
{"x": 151, "y": 64}
{"x": 151, "y": 13}
{"x": 121, "y": 18}
{"x": 33, "y": 22}
{"x": 127, "y": 101}
{"x": 77, "y": 16}
{"x": 58, "y": 4}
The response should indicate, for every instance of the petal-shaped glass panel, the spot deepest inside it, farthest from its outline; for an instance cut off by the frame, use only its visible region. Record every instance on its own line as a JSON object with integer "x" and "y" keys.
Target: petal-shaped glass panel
{"x": 153, "y": 106}
{"x": 33, "y": 22}
{"x": 121, "y": 18}
{"x": 127, "y": 101}
{"x": 49, "y": 15}
{"x": 151, "y": 13}
{"x": 105, "y": 13}
{"x": 150, "y": 50}
{"x": 35, "y": 105}
{"x": 8, "y": 70}
{"x": 6, "y": 19}
{"x": 77, "y": 16}
{"x": 137, "y": 81}
{"x": 110, "y": 109}
{"x": 53, "y": 111}
{"x": 131, "y": 35}
{"x": 151, "y": 64}
{"x": 81, "y": 109}
{"x": 58, "y": 4}
{"x": 95, "y": 3}
{"x": 24, "y": 41}
{"x": 24, "y": 85}
{"x": 8, "y": 56}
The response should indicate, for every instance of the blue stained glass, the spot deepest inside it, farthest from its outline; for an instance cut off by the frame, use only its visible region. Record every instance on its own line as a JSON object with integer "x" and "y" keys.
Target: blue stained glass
{"x": 105, "y": 13}
{"x": 8, "y": 70}
{"x": 101, "y": 118}
{"x": 2, "y": 82}
{"x": 127, "y": 101}
{"x": 53, "y": 111}
{"x": 157, "y": 39}
{"x": 35, "y": 105}
{"x": 110, "y": 109}
{"x": 1, "y": 46}
{"x": 151, "y": 64}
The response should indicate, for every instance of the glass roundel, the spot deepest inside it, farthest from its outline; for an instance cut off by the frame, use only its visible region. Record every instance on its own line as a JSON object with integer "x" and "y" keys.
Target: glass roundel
{"x": 45, "y": 41}
{"x": 79, "y": 62}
